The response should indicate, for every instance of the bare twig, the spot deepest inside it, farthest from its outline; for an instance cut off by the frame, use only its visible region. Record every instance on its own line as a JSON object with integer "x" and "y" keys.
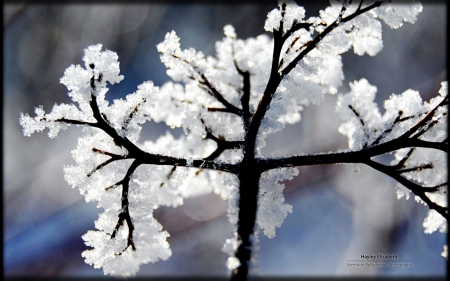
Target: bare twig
{"x": 124, "y": 215}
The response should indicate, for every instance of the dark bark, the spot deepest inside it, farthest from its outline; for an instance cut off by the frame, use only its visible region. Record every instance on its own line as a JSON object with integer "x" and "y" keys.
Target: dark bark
{"x": 248, "y": 202}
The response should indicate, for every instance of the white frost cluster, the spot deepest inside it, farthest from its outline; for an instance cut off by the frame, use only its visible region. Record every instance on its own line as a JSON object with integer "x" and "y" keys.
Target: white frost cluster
{"x": 363, "y": 33}
{"x": 127, "y": 115}
{"x": 362, "y": 99}
{"x": 393, "y": 13}
{"x": 271, "y": 207}
{"x": 292, "y": 13}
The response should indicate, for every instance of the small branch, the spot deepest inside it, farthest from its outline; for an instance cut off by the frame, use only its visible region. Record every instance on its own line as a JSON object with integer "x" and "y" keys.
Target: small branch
{"x": 357, "y": 115}
{"x": 415, "y": 188}
{"x": 216, "y": 109}
{"x": 416, "y": 169}
{"x": 70, "y": 121}
{"x": 358, "y": 156}
{"x": 245, "y": 99}
{"x": 401, "y": 163}
{"x": 124, "y": 215}
{"x": 108, "y": 153}
{"x": 360, "y": 4}
{"x": 101, "y": 166}
{"x": 114, "y": 157}
{"x": 222, "y": 144}
{"x": 424, "y": 120}
{"x": 436, "y": 188}
{"x": 400, "y": 143}
{"x": 74, "y": 122}
{"x": 343, "y": 9}
{"x": 296, "y": 26}
{"x": 424, "y": 130}
{"x": 216, "y": 153}
{"x": 388, "y": 130}
{"x": 327, "y": 30}
{"x": 169, "y": 175}
{"x": 362, "y": 123}
{"x": 133, "y": 112}
{"x": 103, "y": 125}
{"x": 114, "y": 185}
{"x": 211, "y": 89}
{"x": 360, "y": 11}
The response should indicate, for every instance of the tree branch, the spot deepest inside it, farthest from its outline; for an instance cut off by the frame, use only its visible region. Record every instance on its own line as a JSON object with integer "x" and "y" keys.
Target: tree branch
{"x": 327, "y": 30}
{"x": 222, "y": 144}
{"x": 103, "y": 125}
{"x": 296, "y": 26}
{"x": 114, "y": 157}
{"x": 211, "y": 89}
{"x": 424, "y": 120}
{"x": 219, "y": 109}
{"x": 358, "y": 156}
{"x": 124, "y": 215}
{"x": 245, "y": 99}
{"x": 388, "y": 130}
{"x": 415, "y": 188}
{"x": 132, "y": 113}
{"x": 74, "y": 122}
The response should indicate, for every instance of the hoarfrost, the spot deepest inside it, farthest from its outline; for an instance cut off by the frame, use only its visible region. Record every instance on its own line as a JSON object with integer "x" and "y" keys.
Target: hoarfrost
{"x": 434, "y": 221}
{"x": 271, "y": 207}
{"x": 394, "y": 13}
{"x": 402, "y": 191}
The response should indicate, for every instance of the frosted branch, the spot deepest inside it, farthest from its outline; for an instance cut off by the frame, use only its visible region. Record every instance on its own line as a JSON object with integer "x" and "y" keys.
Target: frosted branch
{"x": 114, "y": 157}
{"x": 222, "y": 144}
{"x": 245, "y": 99}
{"x": 415, "y": 188}
{"x": 425, "y": 121}
{"x": 124, "y": 215}
{"x": 211, "y": 89}
{"x": 327, "y": 30}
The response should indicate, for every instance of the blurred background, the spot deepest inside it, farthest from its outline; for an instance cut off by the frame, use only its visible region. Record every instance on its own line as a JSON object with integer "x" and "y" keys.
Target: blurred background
{"x": 338, "y": 214}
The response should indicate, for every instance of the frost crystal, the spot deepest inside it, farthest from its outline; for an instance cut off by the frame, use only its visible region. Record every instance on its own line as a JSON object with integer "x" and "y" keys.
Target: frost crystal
{"x": 273, "y": 20}
{"x": 271, "y": 207}
{"x": 292, "y": 14}
{"x": 445, "y": 252}
{"x": 393, "y": 14}
{"x": 401, "y": 191}
{"x": 229, "y": 31}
